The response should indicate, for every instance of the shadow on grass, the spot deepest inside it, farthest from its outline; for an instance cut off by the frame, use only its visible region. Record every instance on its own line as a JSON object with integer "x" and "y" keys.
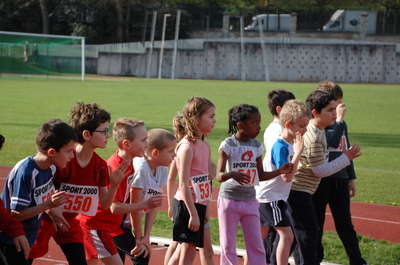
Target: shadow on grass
{"x": 376, "y": 140}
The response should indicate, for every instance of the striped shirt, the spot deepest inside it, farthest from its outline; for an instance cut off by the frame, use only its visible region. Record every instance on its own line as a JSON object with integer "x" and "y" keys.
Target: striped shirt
{"x": 315, "y": 153}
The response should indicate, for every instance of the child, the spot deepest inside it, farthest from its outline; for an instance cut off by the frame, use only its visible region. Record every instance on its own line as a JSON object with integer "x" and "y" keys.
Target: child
{"x": 130, "y": 135}
{"x": 312, "y": 167}
{"x": 337, "y": 189}
{"x": 276, "y": 99}
{"x": 237, "y": 201}
{"x": 12, "y": 226}
{"x": 29, "y": 190}
{"x": 294, "y": 116}
{"x": 193, "y": 162}
{"x": 173, "y": 252}
{"x": 151, "y": 173}
{"x": 86, "y": 179}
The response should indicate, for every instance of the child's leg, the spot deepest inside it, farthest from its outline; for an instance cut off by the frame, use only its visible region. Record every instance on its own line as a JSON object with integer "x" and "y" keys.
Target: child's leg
{"x": 228, "y": 218}
{"x": 172, "y": 258}
{"x": 74, "y": 252}
{"x": 285, "y": 242}
{"x": 187, "y": 253}
{"x": 113, "y": 260}
{"x": 206, "y": 253}
{"x": 250, "y": 223}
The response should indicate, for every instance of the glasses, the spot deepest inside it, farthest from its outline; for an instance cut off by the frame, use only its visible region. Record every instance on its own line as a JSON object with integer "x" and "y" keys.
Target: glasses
{"x": 105, "y": 131}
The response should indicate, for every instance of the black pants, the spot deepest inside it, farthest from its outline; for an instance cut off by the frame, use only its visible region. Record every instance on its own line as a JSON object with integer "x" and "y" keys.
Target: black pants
{"x": 304, "y": 225}
{"x": 12, "y": 256}
{"x": 335, "y": 192}
{"x": 125, "y": 243}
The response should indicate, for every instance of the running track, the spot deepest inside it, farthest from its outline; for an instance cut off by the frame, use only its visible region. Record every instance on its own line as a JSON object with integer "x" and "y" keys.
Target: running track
{"x": 375, "y": 221}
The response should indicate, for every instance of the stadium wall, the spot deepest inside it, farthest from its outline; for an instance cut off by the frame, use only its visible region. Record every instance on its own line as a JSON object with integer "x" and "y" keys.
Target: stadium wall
{"x": 369, "y": 63}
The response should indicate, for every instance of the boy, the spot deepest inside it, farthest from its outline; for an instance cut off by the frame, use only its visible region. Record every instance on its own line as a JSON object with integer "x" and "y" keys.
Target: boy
{"x": 29, "y": 190}
{"x": 312, "y": 167}
{"x": 86, "y": 179}
{"x": 130, "y": 135}
{"x": 337, "y": 189}
{"x": 276, "y": 100}
{"x": 294, "y": 116}
{"x": 151, "y": 172}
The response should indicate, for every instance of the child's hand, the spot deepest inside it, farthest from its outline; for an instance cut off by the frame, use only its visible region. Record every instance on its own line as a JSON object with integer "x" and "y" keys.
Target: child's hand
{"x": 286, "y": 168}
{"x": 298, "y": 143}
{"x": 154, "y": 201}
{"x": 194, "y": 223}
{"x": 59, "y": 222}
{"x": 340, "y": 112}
{"x": 140, "y": 249}
{"x": 353, "y": 152}
{"x": 21, "y": 243}
{"x": 58, "y": 198}
{"x": 240, "y": 177}
{"x": 117, "y": 176}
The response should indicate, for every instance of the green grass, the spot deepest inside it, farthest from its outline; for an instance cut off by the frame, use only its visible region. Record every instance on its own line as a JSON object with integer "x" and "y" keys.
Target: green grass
{"x": 372, "y": 116}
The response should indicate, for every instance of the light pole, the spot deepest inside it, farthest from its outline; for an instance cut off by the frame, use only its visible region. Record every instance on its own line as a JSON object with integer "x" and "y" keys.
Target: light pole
{"x": 162, "y": 44}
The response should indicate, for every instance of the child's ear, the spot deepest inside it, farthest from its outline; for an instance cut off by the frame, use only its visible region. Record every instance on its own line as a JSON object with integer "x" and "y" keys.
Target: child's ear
{"x": 125, "y": 144}
{"x": 240, "y": 125}
{"x": 86, "y": 135}
{"x": 51, "y": 152}
{"x": 287, "y": 124}
{"x": 314, "y": 113}
{"x": 154, "y": 153}
{"x": 278, "y": 109}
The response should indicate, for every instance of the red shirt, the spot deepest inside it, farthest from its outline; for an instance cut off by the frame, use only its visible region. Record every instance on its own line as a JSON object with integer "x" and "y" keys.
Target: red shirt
{"x": 9, "y": 224}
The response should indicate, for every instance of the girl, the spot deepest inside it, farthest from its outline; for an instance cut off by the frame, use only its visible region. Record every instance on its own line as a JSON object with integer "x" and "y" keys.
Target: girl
{"x": 237, "y": 199}
{"x": 193, "y": 163}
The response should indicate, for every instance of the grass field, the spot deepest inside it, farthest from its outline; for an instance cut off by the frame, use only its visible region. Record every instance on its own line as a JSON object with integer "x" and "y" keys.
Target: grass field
{"x": 372, "y": 116}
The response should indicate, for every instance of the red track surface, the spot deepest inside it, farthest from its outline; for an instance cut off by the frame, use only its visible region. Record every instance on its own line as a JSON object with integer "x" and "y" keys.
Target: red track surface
{"x": 372, "y": 220}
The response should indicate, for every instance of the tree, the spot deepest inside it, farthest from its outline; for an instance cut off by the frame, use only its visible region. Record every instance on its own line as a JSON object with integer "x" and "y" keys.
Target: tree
{"x": 45, "y": 16}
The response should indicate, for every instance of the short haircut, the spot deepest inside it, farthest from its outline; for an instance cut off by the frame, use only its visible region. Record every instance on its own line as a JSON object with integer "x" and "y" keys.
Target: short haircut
{"x": 319, "y": 99}
{"x": 124, "y": 129}
{"x": 332, "y": 87}
{"x": 158, "y": 139}
{"x": 278, "y": 97}
{"x": 292, "y": 110}
{"x": 54, "y": 134}
{"x": 87, "y": 117}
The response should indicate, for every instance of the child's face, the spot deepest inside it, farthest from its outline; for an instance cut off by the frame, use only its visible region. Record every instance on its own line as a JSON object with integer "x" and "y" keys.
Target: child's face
{"x": 327, "y": 116}
{"x": 99, "y": 137}
{"x": 300, "y": 125}
{"x": 206, "y": 121}
{"x": 137, "y": 146}
{"x": 252, "y": 126}
{"x": 62, "y": 158}
{"x": 166, "y": 155}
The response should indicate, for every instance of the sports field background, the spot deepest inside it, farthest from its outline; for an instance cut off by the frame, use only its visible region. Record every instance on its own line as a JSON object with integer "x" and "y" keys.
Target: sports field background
{"x": 372, "y": 116}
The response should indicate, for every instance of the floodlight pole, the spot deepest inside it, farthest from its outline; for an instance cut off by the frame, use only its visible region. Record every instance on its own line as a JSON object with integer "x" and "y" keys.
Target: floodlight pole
{"x": 242, "y": 48}
{"x": 83, "y": 59}
{"x": 264, "y": 52}
{"x": 162, "y": 44}
{"x": 207, "y": 41}
{"x": 178, "y": 20}
{"x": 153, "y": 28}
{"x": 145, "y": 26}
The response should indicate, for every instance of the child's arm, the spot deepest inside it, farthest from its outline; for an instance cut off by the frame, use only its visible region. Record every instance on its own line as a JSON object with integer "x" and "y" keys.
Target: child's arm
{"x": 223, "y": 176}
{"x": 56, "y": 199}
{"x": 266, "y": 175}
{"x": 118, "y": 207}
{"x": 136, "y": 216}
{"x": 333, "y": 138}
{"x": 148, "y": 225}
{"x": 171, "y": 186}
{"x": 185, "y": 156}
{"x": 298, "y": 150}
{"x": 106, "y": 195}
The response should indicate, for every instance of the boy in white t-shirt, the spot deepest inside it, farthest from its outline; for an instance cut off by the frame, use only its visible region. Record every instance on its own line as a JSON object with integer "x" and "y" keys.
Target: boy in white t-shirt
{"x": 294, "y": 117}
{"x": 151, "y": 173}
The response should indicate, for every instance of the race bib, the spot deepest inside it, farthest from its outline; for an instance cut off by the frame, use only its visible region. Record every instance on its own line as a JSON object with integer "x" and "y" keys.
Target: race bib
{"x": 202, "y": 187}
{"x": 152, "y": 191}
{"x": 342, "y": 145}
{"x": 43, "y": 192}
{"x": 81, "y": 199}
{"x": 250, "y": 169}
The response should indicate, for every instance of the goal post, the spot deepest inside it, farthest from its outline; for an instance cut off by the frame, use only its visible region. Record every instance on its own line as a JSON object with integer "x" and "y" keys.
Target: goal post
{"x": 41, "y": 54}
